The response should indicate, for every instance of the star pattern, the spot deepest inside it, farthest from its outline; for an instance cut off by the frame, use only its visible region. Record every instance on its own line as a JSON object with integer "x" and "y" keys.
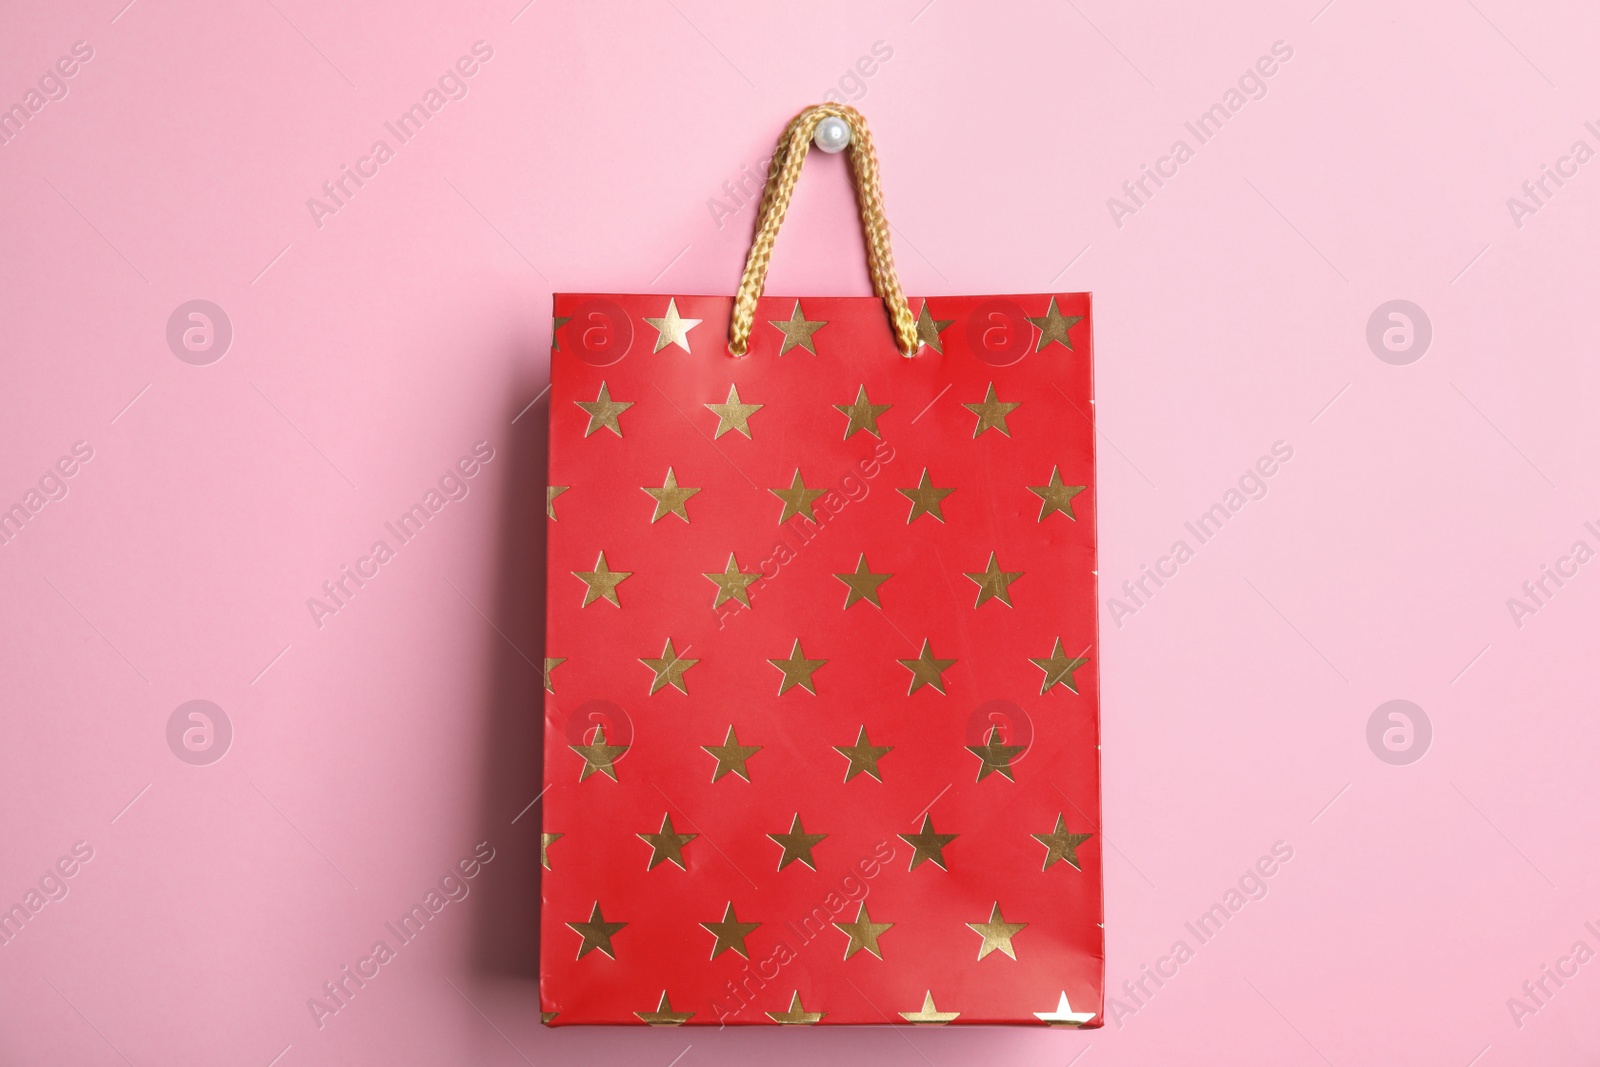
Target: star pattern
{"x": 598, "y": 756}
{"x": 731, "y": 756}
{"x": 796, "y": 1015}
{"x": 863, "y": 583}
{"x": 925, "y": 499}
{"x": 992, "y": 413}
{"x": 730, "y": 933}
{"x": 671, "y": 328}
{"x": 929, "y": 328}
{"x": 994, "y": 583}
{"x": 863, "y": 756}
{"x": 797, "y": 670}
{"x": 863, "y": 414}
{"x": 1059, "y": 668}
{"x": 732, "y": 583}
{"x": 1056, "y": 496}
{"x": 926, "y": 844}
{"x": 994, "y": 757}
{"x": 808, "y": 424}
{"x": 601, "y": 583}
{"x": 863, "y": 933}
{"x": 671, "y": 498}
{"x": 664, "y": 1015}
{"x": 797, "y": 499}
{"x": 1053, "y": 327}
{"x": 733, "y": 414}
{"x": 1064, "y": 1015}
{"x": 669, "y": 668}
{"x": 797, "y": 845}
{"x": 666, "y": 844}
{"x": 596, "y": 933}
{"x": 604, "y": 412}
{"x": 926, "y": 669}
{"x": 997, "y": 933}
{"x": 1060, "y": 845}
{"x": 797, "y": 331}
{"x": 928, "y": 1015}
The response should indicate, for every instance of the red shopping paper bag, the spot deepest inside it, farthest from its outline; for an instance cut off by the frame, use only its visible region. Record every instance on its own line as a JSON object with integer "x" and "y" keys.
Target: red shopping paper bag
{"x": 821, "y": 711}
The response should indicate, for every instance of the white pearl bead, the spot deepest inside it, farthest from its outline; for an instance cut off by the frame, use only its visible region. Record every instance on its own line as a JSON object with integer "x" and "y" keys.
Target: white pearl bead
{"x": 833, "y": 134}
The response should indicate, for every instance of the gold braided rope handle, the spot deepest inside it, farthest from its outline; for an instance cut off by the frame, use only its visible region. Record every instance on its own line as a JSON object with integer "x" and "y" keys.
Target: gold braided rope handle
{"x": 787, "y": 160}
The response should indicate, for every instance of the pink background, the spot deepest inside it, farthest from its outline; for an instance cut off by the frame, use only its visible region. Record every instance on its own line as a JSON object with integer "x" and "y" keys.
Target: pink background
{"x": 375, "y": 751}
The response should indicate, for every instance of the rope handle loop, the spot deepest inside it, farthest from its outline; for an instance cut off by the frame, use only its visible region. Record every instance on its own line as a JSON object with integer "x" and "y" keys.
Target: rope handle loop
{"x": 787, "y": 159}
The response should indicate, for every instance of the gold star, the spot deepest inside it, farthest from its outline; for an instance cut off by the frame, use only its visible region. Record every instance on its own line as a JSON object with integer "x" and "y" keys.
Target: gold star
{"x": 602, "y": 582}
{"x": 1064, "y": 1015}
{"x": 797, "y": 499}
{"x": 730, "y": 933}
{"x": 667, "y": 844}
{"x": 1056, "y": 496}
{"x": 991, "y": 413}
{"x": 603, "y": 411}
{"x": 926, "y": 670}
{"x": 863, "y": 583}
{"x": 797, "y": 844}
{"x": 732, "y": 414}
{"x": 732, "y": 583}
{"x": 664, "y": 1015}
{"x": 863, "y": 933}
{"x": 1061, "y": 845}
{"x": 555, "y": 339}
{"x": 863, "y": 414}
{"x": 797, "y": 670}
{"x": 545, "y": 841}
{"x": 547, "y": 1017}
{"x": 929, "y": 1015}
{"x": 670, "y": 498}
{"x": 796, "y": 1015}
{"x": 928, "y": 845}
{"x": 929, "y": 329}
{"x": 550, "y": 664}
{"x": 671, "y": 329}
{"x": 994, "y": 583}
{"x": 925, "y": 499}
{"x": 669, "y": 668}
{"x": 997, "y": 933}
{"x": 863, "y": 756}
{"x": 550, "y": 494}
{"x": 797, "y": 331}
{"x": 995, "y": 758}
{"x": 596, "y": 933}
{"x": 1053, "y": 326}
{"x": 1058, "y": 669}
{"x": 599, "y": 756}
{"x": 731, "y": 756}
